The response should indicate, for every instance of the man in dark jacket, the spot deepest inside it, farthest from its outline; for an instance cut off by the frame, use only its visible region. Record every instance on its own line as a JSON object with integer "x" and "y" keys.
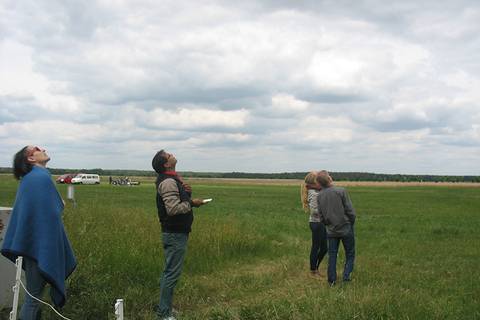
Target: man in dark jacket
{"x": 337, "y": 213}
{"x": 175, "y": 213}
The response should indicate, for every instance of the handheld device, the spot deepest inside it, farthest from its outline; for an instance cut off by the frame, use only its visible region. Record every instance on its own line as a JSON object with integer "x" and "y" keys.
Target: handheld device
{"x": 207, "y": 200}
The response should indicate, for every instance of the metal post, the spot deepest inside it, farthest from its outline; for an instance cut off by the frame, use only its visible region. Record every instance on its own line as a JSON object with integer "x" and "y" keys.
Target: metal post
{"x": 71, "y": 194}
{"x": 119, "y": 309}
{"x": 16, "y": 288}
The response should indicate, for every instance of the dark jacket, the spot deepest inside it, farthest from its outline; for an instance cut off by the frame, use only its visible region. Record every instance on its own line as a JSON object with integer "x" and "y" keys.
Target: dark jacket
{"x": 173, "y": 204}
{"x": 336, "y": 211}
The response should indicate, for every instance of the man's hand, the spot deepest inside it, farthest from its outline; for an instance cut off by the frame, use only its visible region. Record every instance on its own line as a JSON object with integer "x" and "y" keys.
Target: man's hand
{"x": 1, "y": 225}
{"x": 187, "y": 187}
{"x": 197, "y": 202}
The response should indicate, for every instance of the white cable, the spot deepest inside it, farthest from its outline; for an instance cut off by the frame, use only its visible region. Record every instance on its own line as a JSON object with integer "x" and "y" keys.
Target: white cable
{"x": 42, "y": 301}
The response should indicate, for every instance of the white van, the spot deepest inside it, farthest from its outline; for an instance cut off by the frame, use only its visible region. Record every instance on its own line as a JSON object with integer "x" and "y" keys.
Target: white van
{"x": 86, "y": 178}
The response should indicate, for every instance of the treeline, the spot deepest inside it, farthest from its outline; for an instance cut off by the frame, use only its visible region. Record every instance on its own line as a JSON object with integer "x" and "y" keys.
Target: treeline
{"x": 338, "y": 176}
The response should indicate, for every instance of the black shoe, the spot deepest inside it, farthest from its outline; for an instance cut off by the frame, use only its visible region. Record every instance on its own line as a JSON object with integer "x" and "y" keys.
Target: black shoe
{"x": 331, "y": 284}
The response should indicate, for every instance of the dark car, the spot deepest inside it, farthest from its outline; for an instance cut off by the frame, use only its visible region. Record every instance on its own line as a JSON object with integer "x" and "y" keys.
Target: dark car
{"x": 66, "y": 178}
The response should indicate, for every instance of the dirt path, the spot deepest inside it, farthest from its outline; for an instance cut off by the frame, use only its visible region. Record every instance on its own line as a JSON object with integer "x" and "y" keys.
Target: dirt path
{"x": 290, "y": 182}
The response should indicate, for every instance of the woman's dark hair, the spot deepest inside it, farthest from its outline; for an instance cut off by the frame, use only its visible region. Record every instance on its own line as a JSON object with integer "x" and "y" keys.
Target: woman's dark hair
{"x": 20, "y": 164}
{"x": 158, "y": 162}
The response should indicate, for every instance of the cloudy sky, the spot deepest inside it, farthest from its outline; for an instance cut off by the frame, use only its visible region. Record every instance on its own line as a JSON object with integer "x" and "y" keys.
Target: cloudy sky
{"x": 253, "y": 86}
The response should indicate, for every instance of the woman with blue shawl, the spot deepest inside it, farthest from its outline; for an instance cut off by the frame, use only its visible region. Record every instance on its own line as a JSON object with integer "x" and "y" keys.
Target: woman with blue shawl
{"x": 36, "y": 231}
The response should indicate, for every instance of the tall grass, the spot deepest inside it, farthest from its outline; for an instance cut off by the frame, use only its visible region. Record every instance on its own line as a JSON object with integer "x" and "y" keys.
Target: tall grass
{"x": 418, "y": 253}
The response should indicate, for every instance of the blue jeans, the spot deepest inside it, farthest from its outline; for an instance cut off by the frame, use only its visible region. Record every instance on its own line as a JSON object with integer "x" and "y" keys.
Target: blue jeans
{"x": 319, "y": 244}
{"x": 35, "y": 285}
{"x": 348, "y": 242}
{"x": 174, "y": 247}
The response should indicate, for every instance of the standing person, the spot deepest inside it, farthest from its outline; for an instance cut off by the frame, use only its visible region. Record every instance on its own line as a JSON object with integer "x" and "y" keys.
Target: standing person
{"x": 337, "y": 212}
{"x": 175, "y": 213}
{"x": 309, "y": 194}
{"x": 36, "y": 231}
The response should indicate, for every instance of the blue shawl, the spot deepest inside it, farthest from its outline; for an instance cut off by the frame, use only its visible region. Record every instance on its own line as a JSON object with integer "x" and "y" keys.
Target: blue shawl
{"x": 36, "y": 231}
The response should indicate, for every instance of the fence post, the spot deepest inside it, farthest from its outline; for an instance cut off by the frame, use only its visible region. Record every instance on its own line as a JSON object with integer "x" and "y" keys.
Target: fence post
{"x": 71, "y": 194}
{"x": 119, "y": 309}
{"x": 16, "y": 288}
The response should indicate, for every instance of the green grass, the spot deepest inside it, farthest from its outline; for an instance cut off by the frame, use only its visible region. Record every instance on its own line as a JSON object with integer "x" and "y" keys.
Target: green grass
{"x": 418, "y": 254}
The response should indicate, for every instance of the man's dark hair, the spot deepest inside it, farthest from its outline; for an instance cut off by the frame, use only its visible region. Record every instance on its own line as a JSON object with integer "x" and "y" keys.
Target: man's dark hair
{"x": 21, "y": 166}
{"x": 159, "y": 161}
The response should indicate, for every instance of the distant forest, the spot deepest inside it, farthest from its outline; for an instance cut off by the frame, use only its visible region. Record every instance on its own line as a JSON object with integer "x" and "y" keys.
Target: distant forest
{"x": 338, "y": 176}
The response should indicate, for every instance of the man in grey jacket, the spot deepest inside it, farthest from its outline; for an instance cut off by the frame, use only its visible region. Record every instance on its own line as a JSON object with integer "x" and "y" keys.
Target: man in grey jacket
{"x": 337, "y": 213}
{"x": 174, "y": 205}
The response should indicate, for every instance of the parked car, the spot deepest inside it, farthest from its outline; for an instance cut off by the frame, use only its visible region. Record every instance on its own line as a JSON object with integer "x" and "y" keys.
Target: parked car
{"x": 66, "y": 178}
{"x": 86, "y": 178}
{"x": 124, "y": 182}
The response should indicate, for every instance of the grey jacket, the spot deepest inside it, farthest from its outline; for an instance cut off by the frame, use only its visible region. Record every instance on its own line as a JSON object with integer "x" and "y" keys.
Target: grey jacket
{"x": 336, "y": 211}
{"x": 170, "y": 194}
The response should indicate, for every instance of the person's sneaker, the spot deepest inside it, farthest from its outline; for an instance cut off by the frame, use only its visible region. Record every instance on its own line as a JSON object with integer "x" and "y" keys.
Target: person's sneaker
{"x": 347, "y": 279}
{"x": 331, "y": 284}
{"x": 170, "y": 318}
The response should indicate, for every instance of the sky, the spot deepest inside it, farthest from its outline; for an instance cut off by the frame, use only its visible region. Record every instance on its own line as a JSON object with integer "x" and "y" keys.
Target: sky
{"x": 246, "y": 86}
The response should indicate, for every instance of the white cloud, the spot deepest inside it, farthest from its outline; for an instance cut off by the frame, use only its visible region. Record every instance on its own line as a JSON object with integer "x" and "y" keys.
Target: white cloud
{"x": 18, "y": 79}
{"x": 185, "y": 118}
{"x": 225, "y": 81}
{"x": 314, "y": 131}
{"x": 286, "y": 103}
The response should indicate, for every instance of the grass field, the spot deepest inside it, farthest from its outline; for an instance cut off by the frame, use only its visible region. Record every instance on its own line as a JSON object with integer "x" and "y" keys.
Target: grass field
{"x": 418, "y": 254}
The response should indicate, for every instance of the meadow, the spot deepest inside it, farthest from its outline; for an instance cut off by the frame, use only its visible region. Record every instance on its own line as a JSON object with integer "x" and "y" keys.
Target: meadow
{"x": 418, "y": 254}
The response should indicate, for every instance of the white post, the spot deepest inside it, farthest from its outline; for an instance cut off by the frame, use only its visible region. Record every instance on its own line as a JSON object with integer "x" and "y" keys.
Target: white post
{"x": 71, "y": 194}
{"x": 119, "y": 309}
{"x": 16, "y": 288}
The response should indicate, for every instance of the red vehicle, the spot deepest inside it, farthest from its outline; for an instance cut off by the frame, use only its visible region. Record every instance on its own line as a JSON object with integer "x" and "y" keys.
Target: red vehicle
{"x": 66, "y": 178}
